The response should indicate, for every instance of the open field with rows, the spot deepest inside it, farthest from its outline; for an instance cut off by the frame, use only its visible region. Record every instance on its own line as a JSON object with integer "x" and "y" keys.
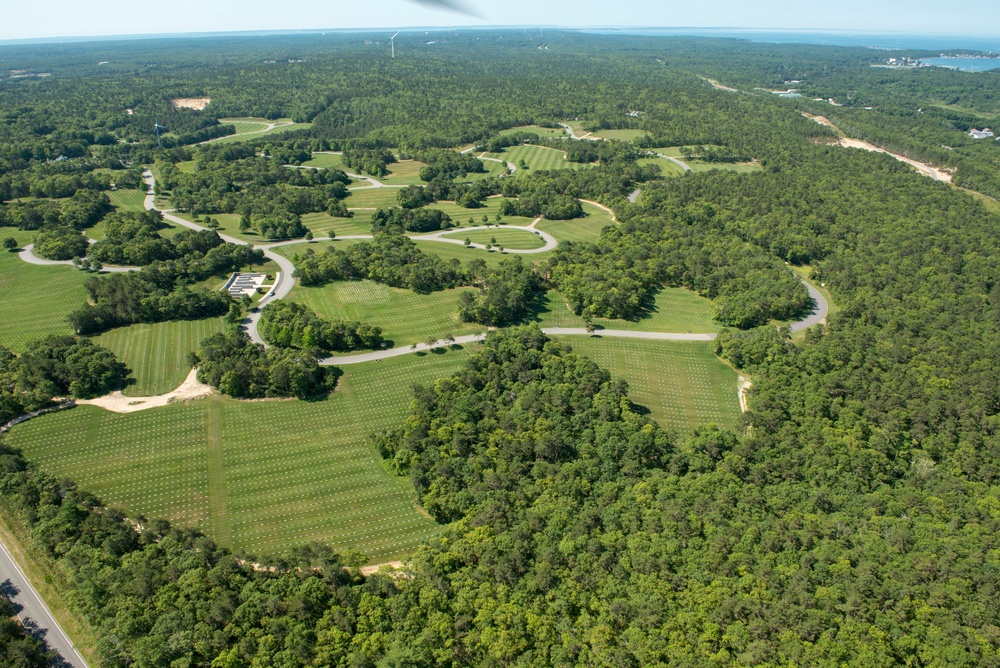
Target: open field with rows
{"x": 320, "y": 224}
{"x": 36, "y": 299}
{"x": 258, "y": 476}
{"x": 403, "y": 173}
{"x": 158, "y": 354}
{"x": 405, "y": 317}
{"x": 537, "y": 158}
{"x": 128, "y": 199}
{"x": 506, "y": 237}
{"x": 682, "y": 383}
{"x": 371, "y": 198}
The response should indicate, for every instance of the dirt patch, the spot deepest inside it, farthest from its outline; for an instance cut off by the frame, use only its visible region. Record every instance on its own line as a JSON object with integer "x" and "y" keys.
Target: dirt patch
{"x": 118, "y": 403}
{"x": 372, "y": 570}
{"x": 196, "y": 103}
{"x": 923, "y": 168}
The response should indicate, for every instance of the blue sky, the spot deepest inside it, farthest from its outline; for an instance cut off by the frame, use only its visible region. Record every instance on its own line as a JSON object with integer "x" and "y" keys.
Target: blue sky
{"x": 54, "y": 18}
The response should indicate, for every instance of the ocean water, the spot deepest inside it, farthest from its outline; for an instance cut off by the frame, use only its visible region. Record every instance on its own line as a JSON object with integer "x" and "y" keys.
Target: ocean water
{"x": 966, "y": 64}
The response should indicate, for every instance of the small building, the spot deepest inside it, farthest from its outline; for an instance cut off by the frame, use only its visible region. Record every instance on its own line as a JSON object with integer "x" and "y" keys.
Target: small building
{"x": 985, "y": 133}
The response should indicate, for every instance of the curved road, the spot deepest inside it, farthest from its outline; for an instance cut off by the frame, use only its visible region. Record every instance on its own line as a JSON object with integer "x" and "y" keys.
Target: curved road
{"x": 27, "y": 255}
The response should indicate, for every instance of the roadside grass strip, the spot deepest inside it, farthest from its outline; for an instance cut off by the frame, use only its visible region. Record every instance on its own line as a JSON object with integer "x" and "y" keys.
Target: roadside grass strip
{"x": 738, "y": 167}
{"x": 158, "y": 354}
{"x": 667, "y": 167}
{"x": 506, "y": 237}
{"x": 621, "y": 135}
{"x": 290, "y": 472}
{"x": 36, "y": 299}
{"x": 683, "y": 384}
{"x": 405, "y": 317}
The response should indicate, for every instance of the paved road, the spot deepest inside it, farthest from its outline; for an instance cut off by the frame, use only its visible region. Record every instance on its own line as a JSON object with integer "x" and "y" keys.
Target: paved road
{"x": 27, "y": 254}
{"x": 676, "y": 161}
{"x": 345, "y": 360}
{"x": 634, "y": 196}
{"x": 820, "y": 310}
{"x": 32, "y": 611}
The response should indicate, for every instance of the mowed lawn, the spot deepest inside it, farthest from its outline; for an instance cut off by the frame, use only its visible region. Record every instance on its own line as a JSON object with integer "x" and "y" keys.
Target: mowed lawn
{"x": 674, "y": 310}
{"x": 258, "y": 476}
{"x": 621, "y": 135}
{"x": 36, "y": 299}
{"x": 372, "y": 198}
{"x": 128, "y": 200}
{"x": 683, "y": 384}
{"x": 252, "y": 128}
{"x": 587, "y": 229}
{"x": 491, "y": 207}
{"x": 158, "y": 354}
{"x": 537, "y": 131}
{"x": 405, "y": 317}
{"x": 537, "y": 158}
{"x": 503, "y": 236}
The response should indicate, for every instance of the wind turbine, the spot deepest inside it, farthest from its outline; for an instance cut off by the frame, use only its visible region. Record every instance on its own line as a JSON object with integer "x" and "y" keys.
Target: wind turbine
{"x": 392, "y": 40}
{"x": 156, "y": 128}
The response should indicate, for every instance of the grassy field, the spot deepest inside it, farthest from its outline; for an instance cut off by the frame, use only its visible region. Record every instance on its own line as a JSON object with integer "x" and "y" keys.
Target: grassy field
{"x": 252, "y": 128}
{"x": 667, "y": 167}
{"x": 36, "y": 299}
{"x": 327, "y": 161}
{"x": 579, "y": 229}
{"x": 537, "y": 158}
{"x": 258, "y": 476}
{"x": 537, "y": 131}
{"x": 128, "y": 200}
{"x": 157, "y": 354}
{"x": 320, "y": 224}
{"x": 404, "y": 316}
{"x": 621, "y": 135}
{"x": 683, "y": 384}
{"x": 403, "y": 173}
{"x": 372, "y": 198}
{"x": 675, "y": 310}
{"x": 738, "y": 167}
{"x": 491, "y": 207}
{"x": 448, "y": 251}
{"x": 506, "y": 237}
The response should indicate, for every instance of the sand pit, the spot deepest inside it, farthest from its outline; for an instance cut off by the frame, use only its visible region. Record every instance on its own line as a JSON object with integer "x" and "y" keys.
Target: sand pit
{"x": 196, "y": 103}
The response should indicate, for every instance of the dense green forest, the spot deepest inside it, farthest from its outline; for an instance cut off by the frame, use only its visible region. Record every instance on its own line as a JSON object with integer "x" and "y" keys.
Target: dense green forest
{"x": 853, "y": 522}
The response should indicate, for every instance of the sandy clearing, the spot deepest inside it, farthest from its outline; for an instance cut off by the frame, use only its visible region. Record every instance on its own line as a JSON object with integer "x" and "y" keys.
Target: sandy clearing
{"x": 745, "y": 384}
{"x": 372, "y": 570}
{"x": 923, "y": 168}
{"x": 196, "y": 103}
{"x": 119, "y": 403}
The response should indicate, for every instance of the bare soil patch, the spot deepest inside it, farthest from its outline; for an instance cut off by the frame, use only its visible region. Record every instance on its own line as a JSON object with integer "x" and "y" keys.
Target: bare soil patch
{"x": 196, "y": 103}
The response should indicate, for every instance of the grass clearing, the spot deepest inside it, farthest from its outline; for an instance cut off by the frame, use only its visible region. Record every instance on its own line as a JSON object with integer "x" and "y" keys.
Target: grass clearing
{"x": 372, "y": 198}
{"x": 579, "y": 229}
{"x": 251, "y": 128}
{"x": 36, "y": 299}
{"x": 537, "y": 158}
{"x": 667, "y": 167}
{"x": 405, "y": 317}
{"x": 403, "y": 173}
{"x": 538, "y": 131}
{"x": 128, "y": 199}
{"x": 291, "y": 472}
{"x": 674, "y": 310}
{"x": 683, "y": 384}
{"x": 621, "y": 135}
{"x": 738, "y": 167}
{"x": 506, "y": 237}
{"x": 463, "y": 254}
{"x": 158, "y": 354}
{"x": 320, "y": 224}
{"x": 491, "y": 207}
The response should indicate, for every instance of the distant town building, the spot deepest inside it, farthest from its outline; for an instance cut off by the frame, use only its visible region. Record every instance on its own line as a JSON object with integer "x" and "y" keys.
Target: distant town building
{"x": 980, "y": 134}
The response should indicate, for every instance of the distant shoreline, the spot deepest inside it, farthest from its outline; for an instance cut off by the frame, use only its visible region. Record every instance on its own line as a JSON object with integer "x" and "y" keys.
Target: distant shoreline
{"x": 885, "y": 40}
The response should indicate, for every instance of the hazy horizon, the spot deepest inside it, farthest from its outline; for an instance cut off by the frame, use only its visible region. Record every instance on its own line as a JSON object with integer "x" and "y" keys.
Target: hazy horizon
{"x": 72, "y": 19}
